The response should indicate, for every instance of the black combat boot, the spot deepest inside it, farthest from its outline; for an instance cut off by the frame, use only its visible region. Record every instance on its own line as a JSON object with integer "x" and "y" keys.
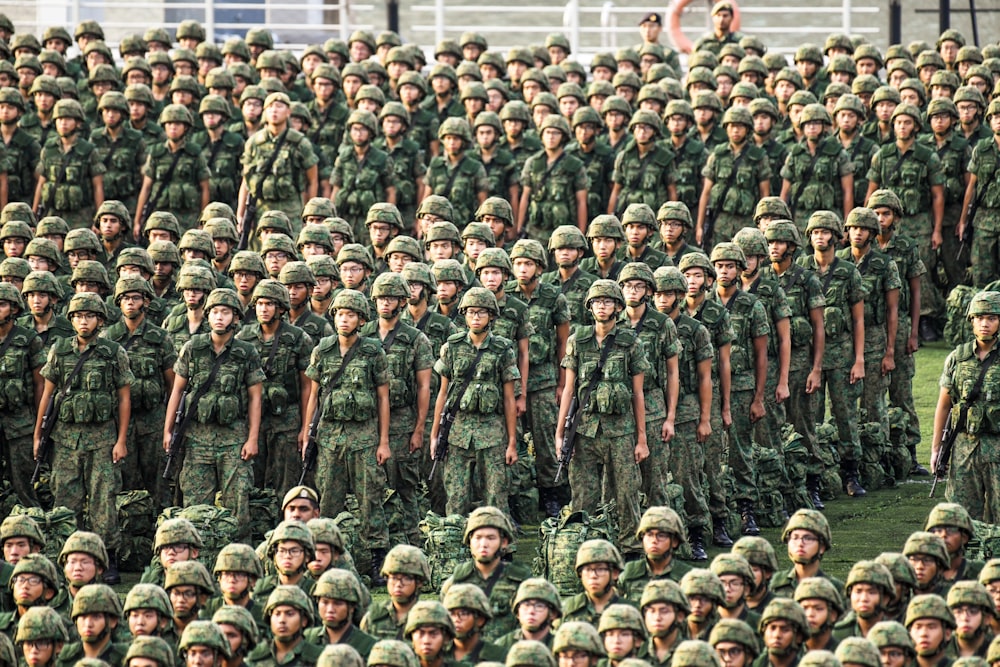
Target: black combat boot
{"x": 853, "y": 486}
{"x": 812, "y": 487}
{"x": 747, "y": 518}
{"x": 111, "y": 576}
{"x": 550, "y": 502}
{"x": 719, "y": 535}
{"x": 378, "y": 557}
{"x": 696, "y": 536}
{"x": 916, "y": 470}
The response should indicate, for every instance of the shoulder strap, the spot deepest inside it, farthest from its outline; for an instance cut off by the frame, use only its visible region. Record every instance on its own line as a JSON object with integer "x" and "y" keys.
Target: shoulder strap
{"x": 467, "y": 378}
{"x": 155, "y": 200}
{"x": 454, "y": 175}
{"x": 564, "y": 287}
{"x": 345, "y": 361}
{"x": 732, "y": 176}
{"x": 7, "y": 343}
{"x": 391, "y": 336}
{"x": 275, "y": 344}
{"x": 598, "y": 373}
{"x": 899, "y": 166}
{"x": 203, "y": 389}
{"x": 259, "y": 190}
{"x": 978, "y": 387}
{"x": 829, "y": 274}
{"x": 806, "y": 176}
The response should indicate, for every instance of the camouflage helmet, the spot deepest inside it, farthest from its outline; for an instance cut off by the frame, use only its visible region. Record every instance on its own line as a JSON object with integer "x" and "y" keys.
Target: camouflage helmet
{"x": 176, "y": 113}
{"x": 567, "y": 236}
{"x": 814, "y": 113}
{"x": 604, "y": 288}
{"x": 819, "y": 658}
{"x": 494, "y": 258}
{"x": 111, "y": 100}
{"x": 481, "y": 231}
{"x": 950, "y": 514}
{"x": 972, "y": 593}
{"x": 990, "y": 571}
{"x": 421, "y": 274}
{"x": 695, "y": 653}
{"x": 204, "y": 633}
{"x": 221, "y": 229}
{"x": 559, "y": 123}
{"x": 36, "y": 563}
{"x": 390, "y": 285}
{"x": 984, "y": 303}
{"x": 318, "y": 206}
{"x": 487, "y": 517}
{"x": 784, "y": 609}
{"x": 87, "y": 302}
{"x": 661, "y": 518}
{"x": 993, "y": 652}
{"x": 969, "y": 94}
{"x": 637, "y": 271}
{"x": 384, "y": 212}
{"x": 292, "y": 530}
{"x": 19, "y": 525}
{"x": 442, "y": 231}
{"x": 339, "y": 655}
{"x": 738, "y": 116}
{"x": 820, "y": 588}
{"x": 89, "y": 270}
{"x": 10, "y": 294}
{"x": 891, "y": 634}
{"x": 133, "y": 284}
{"x": 859, "y": 651}
{"x": 783, "y": 230}
{"x": 239, "y": 617}
{"x": 135, "y": 257}
{"x": 597, "y": 550}
{"x": 705, "y": 583}
{"x": 697, "y": 260}
{"x": 52, "y": 225}
{"x": 248, "y": 261}
{"x": 86, "y": 543}
{"x": 616, "y": 103}
{"x": 811, "y": 520}
{"x": 38, "y": 623}
{"x": 851, "y": 102}
{"x": 148, "y": 596}
{"x": 365, "y": 119}
{"x": 406, "y": 245}
{"x": 751, "y": 241}
{"x": 458, "y": 127}
{"x": 277, "y": 221}
{"x": 296, "y": 273}
{"x": 438, "y": 206}
{"x": 317, "y": 234}
{"x": 397, "y": 110}
{"x": 467, "y": 596}
{"x": 587, "y": 114}
{"x": 911, "y": 111}
{"x": 340, "y": 226}
{"x": 826, "y": 220}
{"x": 16, "y": 229}
{"x": 728, "y": 252}
{"x": 802, "y": 98}
{"x": 40, "y": 281}
{"x": 428, "y": 613}
{"x": 449, "y": 270}
{"x": 732, "y": 564}
{"x": 291, "y": 596}
{"x": 735, "y": 631}
{"x": 670, "y": 279}
{"x": 870, "y": 572}
{"x": 82, "y": 239}
{"x": 864, "y": 218}
{"x": 884, "y": 197}
{"x": 929, "y": 606}
{"x": 392, "y": 652}
{"x": 667, "y": 591}
{"x": 189, "y": 573}
{"x": 95, "y": 599}
{"x": 68, "y": 109}
{"x": 899, "y": 567}
{"x": 529, "y": 653}
{"x": 324, "y": 530}
{"x": 479, "y": 297}
{"x": 197, "y": 239}
{"x": 355, "y": 252}
{"x": 577, "y": 636}
{"x": 929, "y": 544}
{"x": 161, "y": 220}
{"x": 338, "y": 584}
{"x": 675, "y": 210}
{"x": 644, "y": 117}
{"x": 150, "y": 648}
{"x": 538, "y": 588}
{"x": 496, "y": 206}
{"x": 18, "y": 267}
{"x": 237, "y": 557}
{"x": 606, "y": 226}
{"x": 639, "y": 214}
{"x": 224, "y": 296}
{"x": 406, "y": 559}
{"x": 193, "y": 276}
{"x": 622, "y": 617}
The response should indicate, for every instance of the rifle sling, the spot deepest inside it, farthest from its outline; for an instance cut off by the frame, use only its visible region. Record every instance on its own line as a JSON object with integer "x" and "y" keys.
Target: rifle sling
{"x": 155, "y": 199}
{"x": 203, "y": 389}
{"x": 596, "y": 376}
{"x": 467, "y": 379}
{"x": 451, "y": 179}
{"x": 274, "y": 351}
{"x": 69, "y": 378}
{"x": 390, "y": 338}
{"x": 977, "y": 388}
{"x": 344, "y": 361}
{"x": 806, "y": 176}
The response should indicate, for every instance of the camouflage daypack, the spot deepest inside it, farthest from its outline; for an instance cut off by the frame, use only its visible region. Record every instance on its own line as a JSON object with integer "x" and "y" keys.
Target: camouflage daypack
{"x": 136, "y": 519}
{"x": 524, "y": 490}
{"x": 985, "y": 542}
{"x": 874, "y": 445}
{"x": 264, "y": 512}
{"x": 560, "y": 538}
{"x": 444, "y": 545}
{"x": 770, "y": 472}
{"x": 216, "y": 525}
{"x": 957, "y": 329}
{"x": 827, "y": 442}
{"x": 56, "y": 525}
{"x": 896, "y": 459}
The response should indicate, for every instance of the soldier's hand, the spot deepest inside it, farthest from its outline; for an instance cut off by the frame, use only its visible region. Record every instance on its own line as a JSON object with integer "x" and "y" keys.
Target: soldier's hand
{"x": 416, "y": 442}
{"x": 781, "y": 393}
{"x": 912, "y": 345}
{"x": 888, "y": 364}
{"x": 119, "y": 452}
{"x": 302, "y": 441}
{"x": 166, "y": 444}
{"x": 559, "y": 439}
{"x": 704, "y": 431}
{"x": 813, "y": 381}
{"x": 757, "y": 411}
{"x": 727, "y": 417}
{"x": 521, "y": 403}
{"x": 249, "y": 450}
{"x": 857, "y": 372}
{"x": 511, "y": 454}
{"x": 667, "y": 431}
{"x": 382, "y": 454}
{"x": 641, "y": 450}
{"x": 936, "y": 240}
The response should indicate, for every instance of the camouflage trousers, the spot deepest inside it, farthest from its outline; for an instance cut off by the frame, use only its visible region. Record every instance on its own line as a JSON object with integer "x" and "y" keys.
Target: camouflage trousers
{"x": 932, "y": 300}
{"x": 767, "y": 431}
{"x": 80, "y": 219}
{"x": 974, "y": 476}
{"x": 656, "y": 468}
{"x": 543, "y": 411}
{"x": 954, "y": 254}
{"x": 403, "y": 474}
{"x": 726, "y": 226}
{"x": 873, "y": 405}
{"x": 143, "y": 467}
{"x": 844, "y": 407}
{"x": 339, "y": 472}
{"x": 802, "y": 415}
{"x": 741, "y": 446}
{"x": 985, "y": 250}
{"x": 279, "y": 463}
{"x": 20, "y": 466}
{"x": 901, "y": 384}
{"x": 462, "y": 467}
{"x": 209, "y": 470}
{"x": 89, "y": 478}
{"x": 687, "y": 465}
{"x": 611, "y": 459}
{"x": 715, "y": 456}
{"x": 436, "y": 497}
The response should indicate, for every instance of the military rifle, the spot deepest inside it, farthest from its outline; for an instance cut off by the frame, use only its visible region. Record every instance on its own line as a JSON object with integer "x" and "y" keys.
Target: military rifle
{"x": 45, "y": 443}
{"x": 449, "y": 413}
{"x": 311, "y": 452}
{"x": 176, "y": 434}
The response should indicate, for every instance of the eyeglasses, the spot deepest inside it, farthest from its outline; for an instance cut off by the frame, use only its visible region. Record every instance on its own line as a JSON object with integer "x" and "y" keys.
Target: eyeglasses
{"x": 461, "y": 614}
{"x": 404, "y": 579}
{"x": 183, "y": 593}
{"x": 595, "y": 569}
{"x": 29, "y": 579}
{"x": 606, "y": 302}
{"x": 294, "y": 551}
{"x": 537, "y": 605}
{"x": 180, "y": 547}
{"x": 804, "y": 539}
{"x": 734, "y": 652}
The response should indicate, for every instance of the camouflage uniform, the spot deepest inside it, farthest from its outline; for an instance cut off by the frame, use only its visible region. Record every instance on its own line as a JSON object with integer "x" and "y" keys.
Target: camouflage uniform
{"x": 361, "y": 182}
{"x": 689, "y": 160}
{"x": 280, "y": 190}
{"x": 23, "y": 153}
{"x": 68, "y": 189}
{"x": 348, "y": 433}
{"x": 815, "y": 177}
{"x": 553, "y": 187}
{"x": 637, "y": 574}
{"x": 181, "y": 196}
{"x": 222, "y": 158}
{"x": 575, "y": 288}
{"x": 644, "y": 179}
{"x": 985, "y": 166}
{"x": 122, "y": 159}
{"x": 459, "y": 183}
{"x": 753, "y": 169}
{"x": 598, "y": 162}
{"x": 409, "y": 166}
{"x": 86, "y": 425}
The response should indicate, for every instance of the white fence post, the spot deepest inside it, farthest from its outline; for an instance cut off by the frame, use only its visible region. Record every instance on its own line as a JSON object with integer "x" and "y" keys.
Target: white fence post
{"x": 438, "y": 21}
{"x": 846, "y": 27}
{"x": 571, "y": 21}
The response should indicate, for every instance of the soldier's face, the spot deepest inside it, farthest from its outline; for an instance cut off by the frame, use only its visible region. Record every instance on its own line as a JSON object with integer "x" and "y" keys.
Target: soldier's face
{"x": 298, "y": 293}
{"x": 397, "y": 261}
{"x": 822, "y": 239}
{"x": 777, "y": 250}
{"x": 525, "y": 270}
{"x": 346, "y": 321}
{"x": 568, "y": 106}
{"x": 286, "y": 622}
{"x": 884, "y": 109}
{"x": 783, "y": 90}
{"x": 485, "y": 544}
{"x": 266, "y": 310}
{"x": 492, "y": 278}
{"x": 27, "y": 588}
{"x": 803, "y": 546}
{"x": 200, "y": 656}
{"x": 866, "y": 599}
{"x": 41, "y": 651}
{"x": 893, "y": 656}
{"x": 968, "y": 620}
{"x": 779, "y": 635}
{"x": 928, "y": 635}
{"x": 387, "y": 306}
{"x": 44, "y": 101}
{"x": 995, "y": 124}
{"x": 143, "y": 622}
{"x": 696, "y": 281}
{"x": 234, "y": 585}
{"x": 13, "y": 247}
{"x": 334, "y": 613}
{"x": 438, "y": 250}
{"x": 701, "y": 607}
{"x": 619, "y": 643}
{"x": 731, "y": 654}
{"x": 91, "y": 626}
{"x": 817, "y": 612}
{"x": 14, "y": 548}
{"x": 232, "y": 634}
{"x": 446, "y": 290}
{"x": 954, "y": 538}
{"x": 727, "y": 273}
{"x": 734, "y": 587}
{"x": 664, "y": 302}
{"x": 634, "y": 291}
{"x": 38, "y": 302}
{"x": 659, "y": 618}
{"x": 428, "y": 642}
{"x": 985, "y": 328}
{"x": 859, "y": 236}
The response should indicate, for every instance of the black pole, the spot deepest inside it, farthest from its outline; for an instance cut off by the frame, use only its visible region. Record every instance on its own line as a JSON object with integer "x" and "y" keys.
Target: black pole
{"x": 975, "y": 25}
{"x": 944, "y": 15}
{"x": 392, "y": 9}
{"x": 895, "y": 22}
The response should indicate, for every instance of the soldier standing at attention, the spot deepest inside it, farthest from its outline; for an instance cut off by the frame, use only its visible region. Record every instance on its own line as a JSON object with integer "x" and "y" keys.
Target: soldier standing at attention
{"x": 350, "y": 385}
{"x": 554, "y": 182}
{"x": 457, "y": 174}
{"x": 644, "y": 170}
{"x": 984, "y": 190}
{"x": 689, "y": 153}
{"x": 41, "y": 292}
{"x": 606, "y": 236}
{"x": 568, "y": 246}
{"x": 282, "y": 182}
{"x": 968, "y": 383}
{"x": 410, "y": 358}
{"x": 122, "y": 150}
{"x": 675, "y": 223}
{"x": 225, "y": 427}
{"x": 221, "y": 148}
{"x": 844, "y": 340}
{"x": 194, "y": 284}
{"x": 22, "y": 356}
{"x": 21, "y": 148}
{"x": 737, "y": 174}
{"x": 300, "y": 280}
{"x": 70, "y": 174}
{"x": 362, "y": 173}
{"x": 596, "y": 156}
{"x": 93, "y": 377}
{"x": 478, "y": 372}
{"x": 640, "y": 227}
{"x": 611, "y": 436}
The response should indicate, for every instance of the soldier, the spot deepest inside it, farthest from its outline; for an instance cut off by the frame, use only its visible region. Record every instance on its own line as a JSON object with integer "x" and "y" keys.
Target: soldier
{"x": 536, "y": 608}
{"x": 314, "y": 240}
{"x": 41, "y": 636}
{"x": 662, "y": 533}
{"x": 339, "y": 597}
{"x": 85, "y": 420}
{"x": 598, "y": 565}
{"x": 33, "y": 582}
{"x": 382, "y": 223}
{"x": 806, "y": 301}
{"x": 823, "y": 605}
{"x": 640, "y": 227}
{"x": 611, "y": 435}
{"x": 277, "y": 250}
{"x": 299, "y": 280}
{"x": 289, "y": 551}
{"x": 577, "y": 641}
{"x": 38, "y": 123}
{"x": 705, "y": 593}
{"x": 289, "y": 612}
{"x": 153, "y": 649}
{"x": 457, "y": 174}
{"x": 204, "y": 645}
{"x": 869, "y": 587}
{"x": 568, "y": 246}
{"x": 69, "y": 174}
{"x": 407, "y": 156}
{"x": 675, "y": 223}
{"x": 431, "y": 632}
{"x": 554, "y": 184}
{"x": 355, "y": 409}
{"x": 737, "y": 174}
{"x": 893, "y": 641}
{"x": 596, "y": 156}
{"x": 606, "y": 236}
{"x": 982, "y": 194}
{"x": 237, "y": 569}
{"x": 246, "y": 270}
{"x": 499, "y": 162}
{"x": 410, "y": 359}
{"x": 930, "y": 624}
{"x": 737, "y": 579}
{"x": 221, "y": 149}
{"x": 689, "y": 153}
{"x": 814, "y": 167}
{"x": 971, "y": 606}
{"x": 328, "y": 113}
{"x": 176, "y": 541}
{"x": 928, "y": 555}
{"x": 951, "y": 522}
{"x": 807, "y": 535}
{"x": 148, "y": 612}
{"x": 406, "y": 571}
{"x": 22, "y": 149}
{"x": 784, "y": 629}
{"x": 905, "y": 580}
{"x": 96, "y": 612}
{"x": 484, "y": 417}
{"x": 622, "y": 632}
{"x": 644, "y": 170}
{"x": 84, "y": 560}
{"x": 362, "y": 172}
{"x": 616, "y": 112}
{"x": 844, "y": 328}
{"x": 121, "y": 149}
{"x": 734, "y": 639}
{"x": 476, "y": 237}
{"x": 451, "y": 281}
{"x": 470, "y": 613}
{"x": 765, "y": 121}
